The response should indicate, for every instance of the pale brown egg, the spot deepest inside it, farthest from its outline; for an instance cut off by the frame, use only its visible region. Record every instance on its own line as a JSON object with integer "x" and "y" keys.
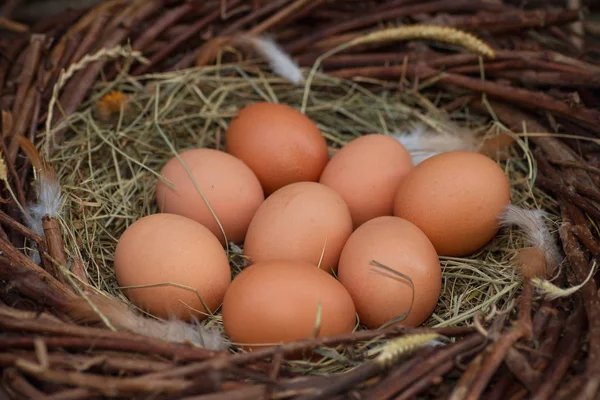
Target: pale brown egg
{"x": 366, "y": 172}
{"x": 304, "y": 221}
{"x": 231, "y": 188}
{"x": 279, "y": 143}
{"x": 170, "y": 248}
{"x": 379, "y": 295}
{"x": 456, "y": 198}
{"x": 280, "y": 301}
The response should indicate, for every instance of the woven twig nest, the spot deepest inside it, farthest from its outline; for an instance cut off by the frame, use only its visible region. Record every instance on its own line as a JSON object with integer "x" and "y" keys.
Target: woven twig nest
{"x": 85, "y": 87}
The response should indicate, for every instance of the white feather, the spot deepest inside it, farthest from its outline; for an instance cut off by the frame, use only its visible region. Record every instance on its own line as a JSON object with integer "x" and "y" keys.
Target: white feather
{"x": 49, "y": 200}
{"x": 536, "y": 232}
{"x": 281, "y": 63}
{"x": 124, "y": 318}
{"x": 423, "y": 144}
{"x": 178, "y": 331}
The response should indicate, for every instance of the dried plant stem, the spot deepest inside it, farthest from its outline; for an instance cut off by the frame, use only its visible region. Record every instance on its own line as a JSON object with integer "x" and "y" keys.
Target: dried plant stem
{"x": 109, "y": 386}
{"x": 186, "y": 35}
{"x": 522, "y": 328}
{"x": 563, "y": 356}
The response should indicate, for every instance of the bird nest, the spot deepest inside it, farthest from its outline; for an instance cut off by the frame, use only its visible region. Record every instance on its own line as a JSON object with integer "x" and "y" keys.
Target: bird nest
{"x": 106, "y": 116}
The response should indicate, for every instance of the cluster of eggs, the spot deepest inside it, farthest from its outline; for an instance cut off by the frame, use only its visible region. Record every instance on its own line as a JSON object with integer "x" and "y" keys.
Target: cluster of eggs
{"x": 318, "y": 230}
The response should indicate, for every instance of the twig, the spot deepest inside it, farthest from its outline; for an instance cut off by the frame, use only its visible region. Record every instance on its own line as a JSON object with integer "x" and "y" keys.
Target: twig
{"x": 521, "y": 328}
{"x": 22, "y": 123}
{"x": 526, "y": 98}
{"x": 9, "y": 55}
{"x": 295, "y": 7}
{"x": 30, "y": 277}
{"x": 561, "y": 189}
{"x": 562, "y": 357}
{"x": 253, "y": 16}
{"x": 512, "y": 20}
{"x": 297, "y": 347}
{"x": 30, "y": 66}
{"x": 575, "y": 164}
{"x": 60, "y": 58}
{"x": 91, "y": 37}
{"x": 168, "y": 19}
{"x": 435, "y": 376}
{"x": 377, "y": 17}
{"x": 13, "y": 173}
{"x": 577, "y": 30}
{"x": 18, "y": 383}
{"x": 587, "y": 239}
{"x": 5, "y": 219}
{"x": 107, "y": 361}
{"x": 185, "y": 36}
{"x": 138, "y": 345}
{"x": 591, "y": 301}
{"x": 13, "y": 25}
{"x": 109, "y": 386}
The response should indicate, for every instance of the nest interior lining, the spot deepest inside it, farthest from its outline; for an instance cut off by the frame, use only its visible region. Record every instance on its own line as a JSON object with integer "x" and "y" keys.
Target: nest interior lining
{"x": 108, "y": 168}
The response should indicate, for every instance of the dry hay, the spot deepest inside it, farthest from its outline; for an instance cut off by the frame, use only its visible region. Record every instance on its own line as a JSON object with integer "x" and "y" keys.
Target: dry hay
{"x": 109, "y": 170}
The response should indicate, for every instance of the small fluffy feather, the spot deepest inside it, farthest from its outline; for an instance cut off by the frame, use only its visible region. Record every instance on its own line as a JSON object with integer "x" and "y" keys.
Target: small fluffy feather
{"x": 47, "y": 189}
{"x": 49, "y": 200}
{"x": 123, "y": 318}
{"x": 536, "y": 232}
{"x": 281, "y": 63}
{"x": 423, "y": 144}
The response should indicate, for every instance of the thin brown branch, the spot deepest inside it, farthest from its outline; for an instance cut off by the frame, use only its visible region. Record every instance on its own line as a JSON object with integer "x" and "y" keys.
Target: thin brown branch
{"x": 91, "y": 37}
{"x": 19, "y": 384}
{"x": 408, "y": 373}
{"x": 512, "y": 20}
{"x": 575, "y": 164}
{"x": 563, "y": 356}
{"x": 522, "y": 328}
{"x": 368, "y": 19}
{"x": 185, "y": 36}
{"x": 162, "y": 24}
{"x": 109, "y": 386}
{"x": 5, "y": 219}
{"x": 435, "y": 376}
{"x": 560, "y": 188}
{"x": 13, "y": 25}
{"x": 30, "y": 67}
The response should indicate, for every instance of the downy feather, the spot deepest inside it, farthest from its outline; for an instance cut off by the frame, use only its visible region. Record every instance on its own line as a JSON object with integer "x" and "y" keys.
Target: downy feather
{"x": 48, "y": 192}
{"x": 281, "y": 63}
{"x": 123, "y": 318}
{"x": 423, "y": 144}
{"x": 537, "y": 234}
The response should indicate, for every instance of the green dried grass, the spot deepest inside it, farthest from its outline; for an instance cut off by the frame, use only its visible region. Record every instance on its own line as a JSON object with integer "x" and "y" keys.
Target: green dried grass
{"x": 109, "y": 171}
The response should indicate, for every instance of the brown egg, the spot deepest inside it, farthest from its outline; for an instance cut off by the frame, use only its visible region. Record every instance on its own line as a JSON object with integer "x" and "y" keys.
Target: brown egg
{"x": 297, "y": 222}
{"x": 231, "y": 188}
{"x": 277, "y": 301}
{"x": 169, "y": 248}
{"x": 379, "y": 295}
{"x": 366, "y": 173}
{"x": 279, "y": 143}
{"x": 456, "y": 199}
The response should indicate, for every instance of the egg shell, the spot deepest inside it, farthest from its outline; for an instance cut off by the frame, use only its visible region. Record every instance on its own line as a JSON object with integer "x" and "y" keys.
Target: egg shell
{"x": 231, "y": 188}
{"x": 279, "y": 143}
{"x": 366, "y": 172}
{"x": 162, "y": 248}
{"x": 379, "y": 295}
{"x": 297, "y": 222}
{"x": 277, "y": 301}
{"x": 456, "y": 198}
